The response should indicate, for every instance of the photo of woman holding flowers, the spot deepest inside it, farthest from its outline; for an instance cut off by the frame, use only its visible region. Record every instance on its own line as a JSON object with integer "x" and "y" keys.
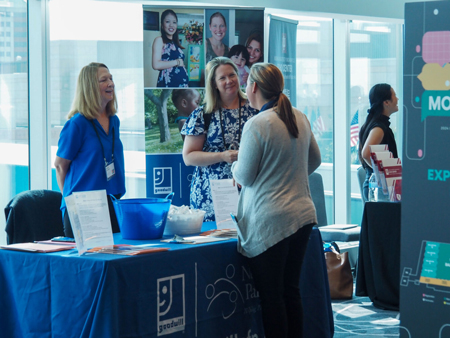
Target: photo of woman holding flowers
{"x": 173, "y": 47}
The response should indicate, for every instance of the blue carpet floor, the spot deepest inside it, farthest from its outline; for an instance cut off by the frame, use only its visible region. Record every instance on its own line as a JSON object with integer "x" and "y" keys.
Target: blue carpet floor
{"x": 358, "y": 317}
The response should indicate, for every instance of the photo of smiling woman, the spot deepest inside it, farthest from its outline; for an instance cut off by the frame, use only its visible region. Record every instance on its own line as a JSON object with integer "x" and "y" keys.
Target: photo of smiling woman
{"x": 255, "y": 49}
{"x": 168, "y": 55}
{"x": 215, "y": 45}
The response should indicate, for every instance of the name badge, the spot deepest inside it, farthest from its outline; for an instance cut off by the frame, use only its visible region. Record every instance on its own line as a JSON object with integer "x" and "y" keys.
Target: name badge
{"x": 110, "y": 170}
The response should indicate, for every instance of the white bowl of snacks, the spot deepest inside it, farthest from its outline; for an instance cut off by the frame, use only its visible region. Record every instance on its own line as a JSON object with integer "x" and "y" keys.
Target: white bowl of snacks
{"x": 183, "y": 221}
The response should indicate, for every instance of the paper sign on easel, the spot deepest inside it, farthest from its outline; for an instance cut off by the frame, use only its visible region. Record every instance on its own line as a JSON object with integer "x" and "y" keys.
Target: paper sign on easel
{"x": 225, "y": 198}
{"x": 89, "y": 217}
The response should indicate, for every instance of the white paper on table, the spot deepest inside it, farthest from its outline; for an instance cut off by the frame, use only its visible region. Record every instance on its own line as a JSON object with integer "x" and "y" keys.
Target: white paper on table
{"x": 198, "y": 239}
{"x": 89, "y": 217}
{"x": 225, "y": 198}
{"x": 204, "y": 239}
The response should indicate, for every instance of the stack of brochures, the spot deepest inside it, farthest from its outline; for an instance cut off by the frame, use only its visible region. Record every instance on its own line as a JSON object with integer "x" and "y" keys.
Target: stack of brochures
{"x": 388, "y": 171}
{"x": 194, "y": 239}
{"x": 38, "y": 247}
{"x": 126, "y": 250}
{"x": 230, "y": 233}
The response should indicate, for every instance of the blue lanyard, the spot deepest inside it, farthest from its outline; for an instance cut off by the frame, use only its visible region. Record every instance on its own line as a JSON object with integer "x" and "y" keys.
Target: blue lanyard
{"x": 101, "y": 144}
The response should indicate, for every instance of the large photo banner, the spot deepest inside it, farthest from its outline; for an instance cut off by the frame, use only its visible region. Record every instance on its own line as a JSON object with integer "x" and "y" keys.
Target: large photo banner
{"x": 178, "y": 43}
{"x": 425, "y": 238}
{"x": 282, "y": 52}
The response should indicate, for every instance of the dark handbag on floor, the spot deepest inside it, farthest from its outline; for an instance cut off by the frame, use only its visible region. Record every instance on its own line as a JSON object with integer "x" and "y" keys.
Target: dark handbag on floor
{"x": 340, "y": 275}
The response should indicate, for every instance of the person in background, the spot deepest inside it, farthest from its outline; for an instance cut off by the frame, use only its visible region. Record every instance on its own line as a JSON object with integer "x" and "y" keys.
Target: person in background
{"x": 213, "y": 132}
{"x": 275, "y": 211}
{"x": 214, "y": 45}
{"x": 239, "y": 55}
{"x": 376, "y": 130}
{"x": 186, "y": 101}
{"x": 167, "y": 54}
{"x": 255, "y": 48}
{"x": 90, "y": 152}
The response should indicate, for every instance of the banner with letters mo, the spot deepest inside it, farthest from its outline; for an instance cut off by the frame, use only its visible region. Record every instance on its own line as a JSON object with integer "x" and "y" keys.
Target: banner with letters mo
{"x": 425, "y": 239}
{"x": 282, "y": 52}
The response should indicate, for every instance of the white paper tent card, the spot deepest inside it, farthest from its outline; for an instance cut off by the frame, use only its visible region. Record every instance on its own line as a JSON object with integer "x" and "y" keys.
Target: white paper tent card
{"x": 225, "y": 198}
{"x": 89, "y": 216}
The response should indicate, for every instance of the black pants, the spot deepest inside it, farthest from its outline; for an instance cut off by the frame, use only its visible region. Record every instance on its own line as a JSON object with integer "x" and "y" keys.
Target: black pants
{"x": 276, "y": 273}
{"x": 112, "y": 215}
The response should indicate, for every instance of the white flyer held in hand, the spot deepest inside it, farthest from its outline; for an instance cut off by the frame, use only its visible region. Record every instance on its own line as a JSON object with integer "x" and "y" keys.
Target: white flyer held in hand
{"x": 225, "y": 198}
{"x": 89, "y": 217}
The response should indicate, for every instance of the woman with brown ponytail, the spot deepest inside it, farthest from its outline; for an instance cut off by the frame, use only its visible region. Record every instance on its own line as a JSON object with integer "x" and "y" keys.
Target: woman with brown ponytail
{"x": 275, "y": 211}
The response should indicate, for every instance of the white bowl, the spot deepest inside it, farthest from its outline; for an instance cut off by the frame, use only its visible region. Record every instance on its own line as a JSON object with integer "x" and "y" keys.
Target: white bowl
{"x": 184, "y": 224}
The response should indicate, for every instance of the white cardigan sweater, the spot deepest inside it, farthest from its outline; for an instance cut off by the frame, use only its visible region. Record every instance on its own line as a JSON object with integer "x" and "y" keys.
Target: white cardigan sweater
{"x": 273, "y": 169}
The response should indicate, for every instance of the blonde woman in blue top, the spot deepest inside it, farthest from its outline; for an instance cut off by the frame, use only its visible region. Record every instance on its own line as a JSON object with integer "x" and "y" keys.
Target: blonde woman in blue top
{"x": 90, "y": 153}
{"x": 275, "y": 211}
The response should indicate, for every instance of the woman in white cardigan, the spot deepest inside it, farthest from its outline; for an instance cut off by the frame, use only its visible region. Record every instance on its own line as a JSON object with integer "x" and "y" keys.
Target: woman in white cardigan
{"x": 275, "y": 214}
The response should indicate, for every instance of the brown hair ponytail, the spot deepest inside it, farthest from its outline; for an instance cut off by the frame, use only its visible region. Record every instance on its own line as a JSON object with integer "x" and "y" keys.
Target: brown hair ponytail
{"x": 270, "y": 82}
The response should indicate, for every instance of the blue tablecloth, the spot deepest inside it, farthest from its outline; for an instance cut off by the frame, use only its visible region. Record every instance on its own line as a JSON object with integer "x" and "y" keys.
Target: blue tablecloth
{"x": 189, "y": 291}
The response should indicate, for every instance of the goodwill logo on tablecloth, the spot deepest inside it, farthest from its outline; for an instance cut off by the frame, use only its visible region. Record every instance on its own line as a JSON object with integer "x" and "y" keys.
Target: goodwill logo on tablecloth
{"x": 171, "y": 304}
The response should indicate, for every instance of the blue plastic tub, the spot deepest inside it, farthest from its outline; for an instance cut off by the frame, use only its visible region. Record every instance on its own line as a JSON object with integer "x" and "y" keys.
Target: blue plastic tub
{"x": 142, "y": 218}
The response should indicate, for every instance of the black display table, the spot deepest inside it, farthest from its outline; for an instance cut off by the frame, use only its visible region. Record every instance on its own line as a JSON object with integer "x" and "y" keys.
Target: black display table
{"x": 378, "y": 270}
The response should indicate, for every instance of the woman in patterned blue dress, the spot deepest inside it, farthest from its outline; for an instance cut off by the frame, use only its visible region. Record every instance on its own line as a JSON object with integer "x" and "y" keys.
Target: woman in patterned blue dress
{"x": 168, "y": 56}
{"x": 214, "y": 146}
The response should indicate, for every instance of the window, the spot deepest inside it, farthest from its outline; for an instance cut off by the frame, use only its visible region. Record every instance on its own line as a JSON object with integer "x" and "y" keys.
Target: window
{"x": 13, "y": 126}
{"x": 374, "y": 58}
{"x": 315, "y": 91}
{"x": 120, "y": 47}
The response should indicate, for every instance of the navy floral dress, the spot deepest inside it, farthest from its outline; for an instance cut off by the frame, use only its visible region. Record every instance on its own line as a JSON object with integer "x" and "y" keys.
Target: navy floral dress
{"x": 175, "y": 76}
{"x": 201, "y": 197}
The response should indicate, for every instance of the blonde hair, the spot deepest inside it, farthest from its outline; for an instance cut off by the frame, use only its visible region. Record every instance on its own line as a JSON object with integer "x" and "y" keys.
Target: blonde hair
{"x": 270, "y": 82}
{"x": 212, "y": 96}
{"x": 88, "y": 99}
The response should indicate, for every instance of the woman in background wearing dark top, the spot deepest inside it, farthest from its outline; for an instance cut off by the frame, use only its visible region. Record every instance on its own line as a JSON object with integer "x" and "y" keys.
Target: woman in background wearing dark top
{"x": 214, "y": 45}
{"x": 376, "y": 130}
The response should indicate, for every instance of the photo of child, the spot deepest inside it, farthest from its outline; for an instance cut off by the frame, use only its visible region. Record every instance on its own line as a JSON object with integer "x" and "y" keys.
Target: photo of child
{"x": 185, "y": 101}
{"x": 240, "y": 57}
